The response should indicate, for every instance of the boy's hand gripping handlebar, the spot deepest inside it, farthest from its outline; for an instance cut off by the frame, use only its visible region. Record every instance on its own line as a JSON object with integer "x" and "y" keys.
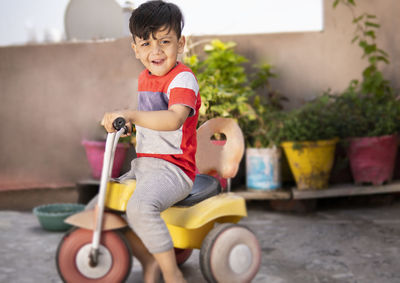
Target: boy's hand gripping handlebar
{"x": 111, "y": 145}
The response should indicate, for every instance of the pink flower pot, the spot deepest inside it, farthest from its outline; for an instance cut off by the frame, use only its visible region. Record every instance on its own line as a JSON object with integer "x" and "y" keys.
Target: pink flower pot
{"x": 372, "y": 159}
{"x": 95, "y": 155}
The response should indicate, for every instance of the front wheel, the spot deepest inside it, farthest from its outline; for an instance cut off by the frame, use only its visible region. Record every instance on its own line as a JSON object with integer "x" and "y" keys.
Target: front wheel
{"x": 72, "y": 258}
{"x": 230, "y": 253}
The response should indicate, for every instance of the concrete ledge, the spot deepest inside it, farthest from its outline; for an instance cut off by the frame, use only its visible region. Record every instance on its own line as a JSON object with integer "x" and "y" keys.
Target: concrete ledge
{"x": 346, "y": 190}
{"x": 18, "y": 185}
{"x": 27, "y": 199}
{"x": 339, "y": 190}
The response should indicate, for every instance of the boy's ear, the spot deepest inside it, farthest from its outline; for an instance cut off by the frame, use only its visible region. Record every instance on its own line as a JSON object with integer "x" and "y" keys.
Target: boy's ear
{"x": 133, "y": 45}
{"x": 181, "y": 44}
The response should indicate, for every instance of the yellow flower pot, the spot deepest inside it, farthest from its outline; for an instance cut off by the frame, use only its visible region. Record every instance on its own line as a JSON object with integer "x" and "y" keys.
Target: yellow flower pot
{"x": 311, "y": 162}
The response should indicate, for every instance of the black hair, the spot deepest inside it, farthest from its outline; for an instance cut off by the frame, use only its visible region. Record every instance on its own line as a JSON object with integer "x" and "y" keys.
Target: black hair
{"x": 152, "y": 16}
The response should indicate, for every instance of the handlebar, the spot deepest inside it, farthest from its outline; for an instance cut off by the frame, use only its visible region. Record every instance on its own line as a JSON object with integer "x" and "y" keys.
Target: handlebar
{"x": 119, "y": 123}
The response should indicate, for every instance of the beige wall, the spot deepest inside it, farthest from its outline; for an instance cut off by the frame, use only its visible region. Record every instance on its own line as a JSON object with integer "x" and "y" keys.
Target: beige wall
{"x": 308, "y": 63}
{"x": 53, "y": 96}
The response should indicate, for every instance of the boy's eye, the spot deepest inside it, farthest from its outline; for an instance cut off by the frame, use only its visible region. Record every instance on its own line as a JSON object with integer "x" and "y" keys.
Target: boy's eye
{"x": 165, "y": 41}
{"x": 144, "y": 44}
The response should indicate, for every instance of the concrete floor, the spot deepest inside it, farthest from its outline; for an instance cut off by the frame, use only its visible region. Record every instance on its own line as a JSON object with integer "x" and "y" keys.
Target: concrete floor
{"x": 350, "y": 242}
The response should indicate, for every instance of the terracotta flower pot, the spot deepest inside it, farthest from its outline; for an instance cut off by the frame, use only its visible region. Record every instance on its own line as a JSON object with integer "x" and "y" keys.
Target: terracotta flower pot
{"x": 95, "y": 155}
{"x": 372, "y": 159}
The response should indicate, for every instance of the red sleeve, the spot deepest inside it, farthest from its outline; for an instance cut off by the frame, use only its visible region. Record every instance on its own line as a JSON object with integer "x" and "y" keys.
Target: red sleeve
{"x": 183, "y": 96}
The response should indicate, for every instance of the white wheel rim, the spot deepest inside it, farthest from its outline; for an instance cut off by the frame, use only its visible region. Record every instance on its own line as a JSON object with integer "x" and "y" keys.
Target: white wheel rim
{"x": 240, "y": 258}
{"x": 235, "y": 255}
{"x": 101, "y": 269}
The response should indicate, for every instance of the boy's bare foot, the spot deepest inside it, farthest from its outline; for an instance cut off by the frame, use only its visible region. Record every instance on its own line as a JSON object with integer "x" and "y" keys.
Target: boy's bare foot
{"x": 181, "y": 278}
{"x": 151, "y": 272}
{"x": 176, "y": 278}
{"x": 169, "y": 268}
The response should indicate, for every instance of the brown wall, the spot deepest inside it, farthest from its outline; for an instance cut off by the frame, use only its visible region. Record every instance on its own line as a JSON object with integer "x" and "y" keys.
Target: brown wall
{"x": 53, "y": 96}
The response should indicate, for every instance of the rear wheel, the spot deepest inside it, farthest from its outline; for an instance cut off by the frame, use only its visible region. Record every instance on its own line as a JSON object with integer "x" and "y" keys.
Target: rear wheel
{"x": 115, "y": 257}
{"x": 230, "y": 253}
{"x": 182, "y": 255}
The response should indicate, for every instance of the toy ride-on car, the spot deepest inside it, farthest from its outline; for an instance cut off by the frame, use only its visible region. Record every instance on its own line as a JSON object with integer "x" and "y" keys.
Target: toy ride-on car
{"x": 97, "y": 249}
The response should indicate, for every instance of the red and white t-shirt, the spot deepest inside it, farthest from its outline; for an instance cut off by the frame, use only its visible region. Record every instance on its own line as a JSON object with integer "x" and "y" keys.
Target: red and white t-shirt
{"x": 178, "y": 86}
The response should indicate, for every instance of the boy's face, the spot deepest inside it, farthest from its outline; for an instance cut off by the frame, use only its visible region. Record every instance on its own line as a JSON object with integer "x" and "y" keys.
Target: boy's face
{"x": 159, "y": 54}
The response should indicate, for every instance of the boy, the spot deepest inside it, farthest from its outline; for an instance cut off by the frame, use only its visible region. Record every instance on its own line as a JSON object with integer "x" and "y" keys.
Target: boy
{"x": 166, "y": 122}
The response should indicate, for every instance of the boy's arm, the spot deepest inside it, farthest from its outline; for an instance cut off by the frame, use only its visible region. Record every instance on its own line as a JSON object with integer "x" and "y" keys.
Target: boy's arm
{"x": 163, "y": 120}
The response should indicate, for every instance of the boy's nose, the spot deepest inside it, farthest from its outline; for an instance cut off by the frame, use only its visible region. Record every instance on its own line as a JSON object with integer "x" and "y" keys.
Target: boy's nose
{"x": 156, "y": 49}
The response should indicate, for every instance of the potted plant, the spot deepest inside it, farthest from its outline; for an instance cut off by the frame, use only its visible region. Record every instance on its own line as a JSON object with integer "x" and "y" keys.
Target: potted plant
{"x": 370, "y": 108}
{"x": 263, "y": 152}
{"x": 310, "y": 137}
{"x": 228, "y": 90}
{"x": 224, "y": 85}
{"x": 223, "y": 82}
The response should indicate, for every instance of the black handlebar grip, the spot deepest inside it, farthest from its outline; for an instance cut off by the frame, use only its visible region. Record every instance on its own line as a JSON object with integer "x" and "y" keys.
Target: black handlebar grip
{"x": 119, "y": 123}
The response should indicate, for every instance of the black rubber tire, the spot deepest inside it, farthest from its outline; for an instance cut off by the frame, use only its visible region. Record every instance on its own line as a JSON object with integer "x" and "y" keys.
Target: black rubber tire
{"x": 75, "y": 239}
{"x": 228, "y": 235}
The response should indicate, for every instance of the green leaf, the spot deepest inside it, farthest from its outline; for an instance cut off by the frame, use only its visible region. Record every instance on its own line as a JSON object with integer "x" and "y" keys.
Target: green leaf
{"x": 383, "y": 59}
{"x": 355, "y": 39}
{"x": 335, "y": 3}
{"x": 351, "y": 2}
{"x": 372, "y": 60}
{"x": 208, "y": 48}
{"x": 363, "y": 44}
{"x": 383, "y": 52}
{"x": 370, "y": 33}
{"x": 371, "y": 24}
{"x": 370, "y": 48}
{"x": 359, "y": 18}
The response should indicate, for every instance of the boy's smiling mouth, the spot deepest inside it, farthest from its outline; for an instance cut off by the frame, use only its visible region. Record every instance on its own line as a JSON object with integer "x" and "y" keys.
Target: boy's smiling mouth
{"x": 158, "y": 61}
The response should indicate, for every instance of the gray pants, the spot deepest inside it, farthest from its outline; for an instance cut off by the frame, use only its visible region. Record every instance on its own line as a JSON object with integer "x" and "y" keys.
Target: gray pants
{"x": 159, "y": 185}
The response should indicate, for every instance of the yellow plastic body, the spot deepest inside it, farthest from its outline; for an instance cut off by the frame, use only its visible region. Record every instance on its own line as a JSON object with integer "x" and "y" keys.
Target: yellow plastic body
{"x": 187, "y": 225}
{"x": 118, "y": 194}
{"x": 312, "y": 163}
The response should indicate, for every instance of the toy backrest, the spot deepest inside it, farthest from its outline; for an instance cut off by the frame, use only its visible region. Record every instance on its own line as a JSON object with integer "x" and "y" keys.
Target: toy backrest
{"x": 223, "y": 159}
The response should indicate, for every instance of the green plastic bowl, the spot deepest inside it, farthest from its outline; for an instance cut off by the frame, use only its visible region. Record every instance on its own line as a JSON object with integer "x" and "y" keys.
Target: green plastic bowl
{"x": 51, "y": 216}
